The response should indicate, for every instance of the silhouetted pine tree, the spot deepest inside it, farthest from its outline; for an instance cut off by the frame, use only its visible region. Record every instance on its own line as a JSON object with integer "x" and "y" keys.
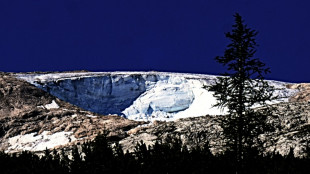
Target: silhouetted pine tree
{"x": 241, "y": 88}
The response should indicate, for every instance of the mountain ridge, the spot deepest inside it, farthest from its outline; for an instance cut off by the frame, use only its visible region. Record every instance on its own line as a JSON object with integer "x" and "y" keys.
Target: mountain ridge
{"x": 50, "y": 119}
{"x": 31, "y": 119}
{"x": 138, "y": 95}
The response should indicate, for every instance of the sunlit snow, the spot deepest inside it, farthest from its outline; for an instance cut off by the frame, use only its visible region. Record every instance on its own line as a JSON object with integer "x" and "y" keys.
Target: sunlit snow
{"x": 52, "y": 105}
{"x": 138, "y": 95}
{"x": 35, "y": 142}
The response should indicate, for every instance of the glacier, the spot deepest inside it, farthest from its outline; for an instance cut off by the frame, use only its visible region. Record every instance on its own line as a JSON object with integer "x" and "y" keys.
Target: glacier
{"x": 143, "y": 96}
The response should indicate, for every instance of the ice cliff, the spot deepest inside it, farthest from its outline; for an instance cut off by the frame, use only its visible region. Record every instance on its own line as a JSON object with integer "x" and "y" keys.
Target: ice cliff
{"x": 137, "y": 95}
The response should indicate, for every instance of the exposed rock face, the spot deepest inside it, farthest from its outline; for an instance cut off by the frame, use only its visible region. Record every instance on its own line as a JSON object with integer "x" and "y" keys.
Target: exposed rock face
{"x": 104, "y": 95}
{"x": 291, "y": 120}
{"x": 195, "y": 131}
{"x": 70, "y": 127}
{"x": 138, "y": 95}
{"x": 32, "y": 119}
{"x": 18, "y": 97}
{"x": 304, "y": 92}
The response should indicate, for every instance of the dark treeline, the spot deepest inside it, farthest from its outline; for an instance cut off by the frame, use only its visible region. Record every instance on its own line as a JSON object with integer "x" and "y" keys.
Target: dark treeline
{"x": 99, "y": 156}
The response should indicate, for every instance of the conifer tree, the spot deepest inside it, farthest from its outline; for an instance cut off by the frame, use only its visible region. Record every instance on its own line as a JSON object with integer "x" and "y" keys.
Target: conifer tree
{"x": 240, "y": 89}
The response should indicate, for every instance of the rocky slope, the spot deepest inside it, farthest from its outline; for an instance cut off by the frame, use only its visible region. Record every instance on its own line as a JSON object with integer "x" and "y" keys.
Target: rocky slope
{"x": 32, "y": 119}
{"x": 138, "y": 95}
{"x": 291, "y": 120}
{"x": 304, "y": 92}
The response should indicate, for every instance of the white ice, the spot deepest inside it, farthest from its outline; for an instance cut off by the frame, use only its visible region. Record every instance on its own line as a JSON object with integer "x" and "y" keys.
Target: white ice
{"x": 52, "y": 105}
{"x": 160, "y": 95}
{"x": 34, "y": 142}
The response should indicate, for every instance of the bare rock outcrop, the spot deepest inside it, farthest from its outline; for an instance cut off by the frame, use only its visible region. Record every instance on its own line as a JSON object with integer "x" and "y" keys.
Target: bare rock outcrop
{"x": 195, "y": 131}
{"x": 18, "y": 97}
{"x": 31, "y": 119}
{"x": 304, "y": 92}
{"x": 291, "y": 121}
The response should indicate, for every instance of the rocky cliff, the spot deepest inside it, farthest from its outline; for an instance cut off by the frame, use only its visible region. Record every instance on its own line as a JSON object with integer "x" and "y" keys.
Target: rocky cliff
{"x": 44, "y": 110}
{"x": 138, "y": 95}
{"x": 303, "y": 94}
{"x": 32, "y": 119}
{"x": 290, "y": 119}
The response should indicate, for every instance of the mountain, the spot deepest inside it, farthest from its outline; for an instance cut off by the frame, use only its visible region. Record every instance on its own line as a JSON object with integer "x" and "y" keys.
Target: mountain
{"x": 54, "y": 110}
{"x": 144, "y": 96}
{"x": 32, "y": 119}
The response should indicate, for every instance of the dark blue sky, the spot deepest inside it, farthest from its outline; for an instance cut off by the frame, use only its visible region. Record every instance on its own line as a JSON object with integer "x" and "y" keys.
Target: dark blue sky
{"x": 144, "y": 35}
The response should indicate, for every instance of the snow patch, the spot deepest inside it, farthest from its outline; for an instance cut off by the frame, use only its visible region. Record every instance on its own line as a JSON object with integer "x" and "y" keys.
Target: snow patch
{"x": 91, "y": 116}
{"x": 73, "y": 116}
{"x": 41, "y": 107}
{"x": 52, "y": 105}
{"x": 34, "y": 142}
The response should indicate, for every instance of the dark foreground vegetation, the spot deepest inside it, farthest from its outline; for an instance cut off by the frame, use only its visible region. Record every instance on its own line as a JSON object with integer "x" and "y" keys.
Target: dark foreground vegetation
{"x": 100, "y": 156}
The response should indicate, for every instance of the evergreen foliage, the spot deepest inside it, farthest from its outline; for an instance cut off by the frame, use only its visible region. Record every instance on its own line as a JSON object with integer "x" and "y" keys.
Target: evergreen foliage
{"x": 100, "y": 156}
{"x": 241, "y": 88}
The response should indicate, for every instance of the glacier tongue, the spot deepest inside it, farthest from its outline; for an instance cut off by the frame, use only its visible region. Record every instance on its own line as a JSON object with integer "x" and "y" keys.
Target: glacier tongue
{"x": 172, "y": 99}
{"x": 164, "y": 99}
{"x": 137, "y": 95}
